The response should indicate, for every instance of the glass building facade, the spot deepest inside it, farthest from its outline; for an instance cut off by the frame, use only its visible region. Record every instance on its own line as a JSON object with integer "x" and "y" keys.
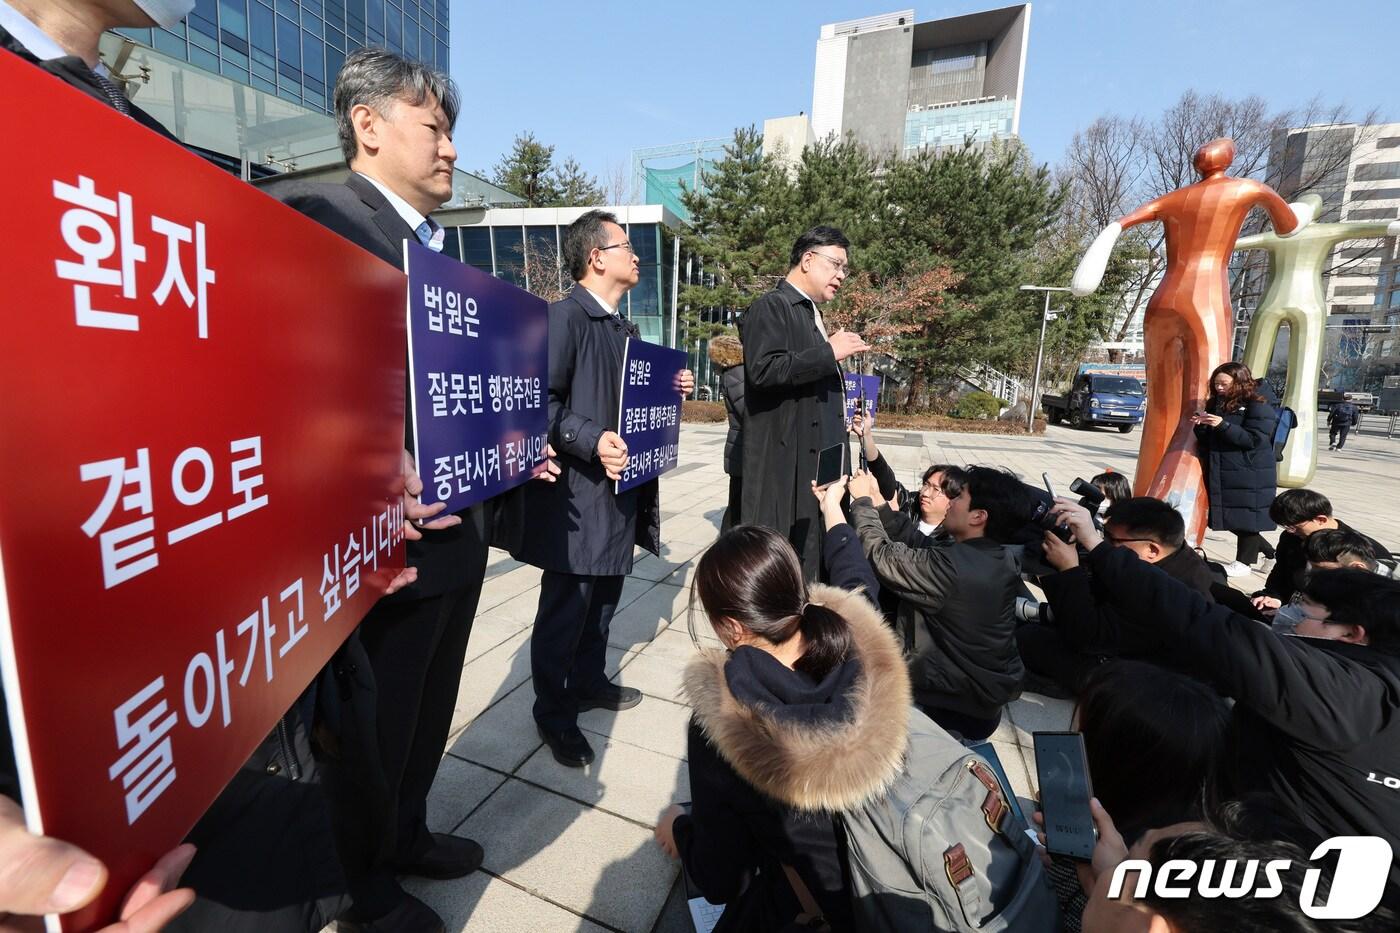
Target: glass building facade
{"x": 517, "y": 245}
{"x": 294, "y": 48}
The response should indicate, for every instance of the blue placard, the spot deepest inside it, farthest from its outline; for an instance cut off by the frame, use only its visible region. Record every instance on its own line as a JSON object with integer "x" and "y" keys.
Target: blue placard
{"x": 649, "y": 412}
{"x": 478, "y": 363}
{"x": 872, "y": 392}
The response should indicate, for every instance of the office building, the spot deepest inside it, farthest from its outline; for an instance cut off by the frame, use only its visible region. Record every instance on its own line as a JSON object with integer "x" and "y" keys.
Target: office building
{"x": 294, "y": 48}
{"x": 901, "y": 87}
{"x": 1355, "y": 169}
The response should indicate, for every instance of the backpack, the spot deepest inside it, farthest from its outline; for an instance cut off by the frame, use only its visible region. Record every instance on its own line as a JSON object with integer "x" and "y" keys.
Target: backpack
{"x": 942, "y": 849}
{"x": 1287, "y": 421}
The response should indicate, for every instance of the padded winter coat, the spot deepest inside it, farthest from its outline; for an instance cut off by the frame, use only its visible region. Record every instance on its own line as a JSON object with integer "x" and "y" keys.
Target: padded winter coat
{"x": 1237, "y": 457}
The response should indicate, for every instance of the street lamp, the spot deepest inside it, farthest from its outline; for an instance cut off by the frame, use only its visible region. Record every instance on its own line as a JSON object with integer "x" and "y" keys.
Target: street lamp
{"x": 1039, "y": 352}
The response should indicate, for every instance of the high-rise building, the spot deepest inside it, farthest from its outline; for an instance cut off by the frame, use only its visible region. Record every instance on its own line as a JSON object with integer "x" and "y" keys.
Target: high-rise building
{"x": 901, "y": 86}
{"x": 293, "y": 48}
{"x": 1355, "y": 169}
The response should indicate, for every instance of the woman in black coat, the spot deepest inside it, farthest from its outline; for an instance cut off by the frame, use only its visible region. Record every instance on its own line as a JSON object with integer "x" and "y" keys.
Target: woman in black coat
{"x": 1236, "y": 438}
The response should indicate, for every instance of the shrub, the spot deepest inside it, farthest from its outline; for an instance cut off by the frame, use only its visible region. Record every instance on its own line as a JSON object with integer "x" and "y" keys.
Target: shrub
{"x": 977, "y": 406}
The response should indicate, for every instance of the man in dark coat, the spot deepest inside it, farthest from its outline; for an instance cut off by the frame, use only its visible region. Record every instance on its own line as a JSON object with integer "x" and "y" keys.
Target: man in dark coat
{"x": 1086, "y": 630}
{"x": 794, "y": 391}
{"x": 395, "y": 120}
{"x": 1301, "y": 513}
{"x": 579, "y": 531}
{"x": 1341, "y": 418}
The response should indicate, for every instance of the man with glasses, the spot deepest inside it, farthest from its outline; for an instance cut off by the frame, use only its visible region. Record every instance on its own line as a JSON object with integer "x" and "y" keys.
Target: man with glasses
{"x": 795, "y": 391}
{"x": 578, "y": 531}
{"x": 1085, "y": 629}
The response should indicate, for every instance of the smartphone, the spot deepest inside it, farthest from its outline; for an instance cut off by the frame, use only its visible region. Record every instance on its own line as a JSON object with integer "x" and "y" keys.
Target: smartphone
{"x": 829, "y": 463}
{"x": 1065, "y": 790}
{"x": 1049, "y": 487}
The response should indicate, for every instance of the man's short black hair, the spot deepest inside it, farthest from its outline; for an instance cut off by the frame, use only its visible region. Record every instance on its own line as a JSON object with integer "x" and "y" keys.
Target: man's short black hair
{"x": 1338, "y": 546}
{"x": 582, "y": 237}
{"x": 1359, "y": 597}
{"x": 817, "y": 236}
{"x": 1145, "y": 517}
{"x": 951, "y": 481}
{"x": 1294, "y": 506}
{"x": 1001, "y": 495}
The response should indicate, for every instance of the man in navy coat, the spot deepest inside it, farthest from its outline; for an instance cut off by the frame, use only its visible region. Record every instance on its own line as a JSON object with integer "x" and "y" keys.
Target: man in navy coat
{"x": 578, "y": 530}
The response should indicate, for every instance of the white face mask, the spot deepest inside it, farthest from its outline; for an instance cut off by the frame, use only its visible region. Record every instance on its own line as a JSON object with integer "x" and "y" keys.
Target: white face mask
{"x": 166, "y": 12}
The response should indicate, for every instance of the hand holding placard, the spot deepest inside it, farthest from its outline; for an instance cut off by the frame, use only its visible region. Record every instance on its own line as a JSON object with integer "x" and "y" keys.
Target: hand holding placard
{"x": 612, "y": 453}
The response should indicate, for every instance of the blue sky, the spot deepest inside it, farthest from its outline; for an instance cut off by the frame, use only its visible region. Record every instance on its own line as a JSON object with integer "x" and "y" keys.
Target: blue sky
{"x": 598, "y": 79}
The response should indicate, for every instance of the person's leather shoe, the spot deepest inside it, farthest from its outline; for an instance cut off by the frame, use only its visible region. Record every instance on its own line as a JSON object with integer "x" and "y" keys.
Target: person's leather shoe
{"x": 569, "y": 747}
{"x": 611, "y": 697}
{"x": 410, "y": 916}
{"x": 450, "y": 857}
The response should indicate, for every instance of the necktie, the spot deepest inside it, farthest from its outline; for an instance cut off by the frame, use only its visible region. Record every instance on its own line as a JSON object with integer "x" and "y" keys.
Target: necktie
{"x": 114, "y": 93}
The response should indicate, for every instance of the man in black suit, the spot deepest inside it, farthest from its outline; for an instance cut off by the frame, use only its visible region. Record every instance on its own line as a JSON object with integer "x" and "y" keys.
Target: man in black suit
{"x": 582, "y": 533}
{"x": 395, "y": 120}
{"x": 795, "y": 393}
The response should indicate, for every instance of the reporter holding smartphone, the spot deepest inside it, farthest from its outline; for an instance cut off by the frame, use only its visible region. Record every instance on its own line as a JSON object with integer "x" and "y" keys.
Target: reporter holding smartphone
{"x": 1316, "y": 720}
{"x": 1236, "y": 437}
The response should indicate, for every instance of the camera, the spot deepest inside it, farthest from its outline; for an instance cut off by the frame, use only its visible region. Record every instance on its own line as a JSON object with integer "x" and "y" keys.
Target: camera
{"x": 1032, "y": 610}
{"x": 1090, "y": 496}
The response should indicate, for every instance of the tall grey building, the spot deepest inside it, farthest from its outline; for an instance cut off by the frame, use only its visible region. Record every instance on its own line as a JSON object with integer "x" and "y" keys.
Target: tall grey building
{"x": 294, "y": 48}
{"x": 1355, "y": 169}
{"x": 901, "y": 86}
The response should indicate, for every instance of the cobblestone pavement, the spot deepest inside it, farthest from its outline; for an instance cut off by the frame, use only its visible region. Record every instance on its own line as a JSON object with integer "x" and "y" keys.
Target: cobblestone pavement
{"x": 570, "y": 849}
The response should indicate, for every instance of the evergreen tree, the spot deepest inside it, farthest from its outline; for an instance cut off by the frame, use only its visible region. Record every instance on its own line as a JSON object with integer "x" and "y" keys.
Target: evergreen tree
{"x": 575, "y": 187}
{"x": 528, "y": 170}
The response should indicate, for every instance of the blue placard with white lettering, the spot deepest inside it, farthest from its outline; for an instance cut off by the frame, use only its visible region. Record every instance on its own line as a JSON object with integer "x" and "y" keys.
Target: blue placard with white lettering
{"x": 872, "y": 392}
{"x": 649, "y": 412}
{"x": 478, "y": 363}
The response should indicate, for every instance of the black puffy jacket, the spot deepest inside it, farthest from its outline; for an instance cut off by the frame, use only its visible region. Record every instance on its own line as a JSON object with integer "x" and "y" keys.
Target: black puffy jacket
{"x": 1237, "y": 457}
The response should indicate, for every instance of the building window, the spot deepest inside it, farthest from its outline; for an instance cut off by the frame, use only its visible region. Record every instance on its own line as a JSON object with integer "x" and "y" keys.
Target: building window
{"x": 1377, "y": 171}
{"x": 476, "y": 247}
{"x": 510, "y": 254}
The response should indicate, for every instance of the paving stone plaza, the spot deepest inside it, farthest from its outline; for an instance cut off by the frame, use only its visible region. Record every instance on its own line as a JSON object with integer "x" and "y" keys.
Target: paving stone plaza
{"x": 571, "y": 849}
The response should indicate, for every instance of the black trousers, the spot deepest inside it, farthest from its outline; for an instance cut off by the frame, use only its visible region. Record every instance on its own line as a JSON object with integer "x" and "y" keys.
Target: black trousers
{"x": 1250, "y": 545}
{"x": 732, "y": 515}
{"x": 569, "y": 645}
{"x": 415, "y": 650}
{"x": 1337, "y": 437}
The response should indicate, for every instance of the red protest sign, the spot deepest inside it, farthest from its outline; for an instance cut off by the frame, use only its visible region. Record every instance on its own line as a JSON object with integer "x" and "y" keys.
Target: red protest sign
{"x": 201, "y": 428}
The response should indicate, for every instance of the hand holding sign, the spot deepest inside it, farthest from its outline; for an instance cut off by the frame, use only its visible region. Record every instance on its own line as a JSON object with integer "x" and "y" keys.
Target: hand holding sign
{"x": 612, "y": 453}
{"x": 39, "y": 875}
{"x": 685, "y": 382}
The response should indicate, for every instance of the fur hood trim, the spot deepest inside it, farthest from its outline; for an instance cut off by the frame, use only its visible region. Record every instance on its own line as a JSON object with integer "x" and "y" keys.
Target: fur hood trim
{"x": 726, "y": 351}
{"x": 832, "y": 767}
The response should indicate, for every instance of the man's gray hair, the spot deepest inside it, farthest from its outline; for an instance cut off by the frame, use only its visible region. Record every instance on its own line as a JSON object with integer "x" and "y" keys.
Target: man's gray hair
{"x": 582, "y": 237}
{"x": 378, "y": 78}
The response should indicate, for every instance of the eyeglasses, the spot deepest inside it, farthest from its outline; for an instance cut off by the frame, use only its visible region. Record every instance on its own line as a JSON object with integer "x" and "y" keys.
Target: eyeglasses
{"x": 838, "y": 265}
{"x": 623, "y": 245}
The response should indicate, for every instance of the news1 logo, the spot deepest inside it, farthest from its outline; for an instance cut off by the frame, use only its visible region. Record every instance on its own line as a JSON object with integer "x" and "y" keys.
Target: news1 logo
{"x": 1362, "y": 866}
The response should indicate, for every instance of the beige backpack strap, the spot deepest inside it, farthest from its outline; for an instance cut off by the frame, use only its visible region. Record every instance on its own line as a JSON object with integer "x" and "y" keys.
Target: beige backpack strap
{"x": 811, "y": 912}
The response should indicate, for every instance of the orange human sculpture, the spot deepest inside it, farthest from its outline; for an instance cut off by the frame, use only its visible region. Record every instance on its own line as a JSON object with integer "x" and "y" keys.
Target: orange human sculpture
{"x": 1188, "y": 325}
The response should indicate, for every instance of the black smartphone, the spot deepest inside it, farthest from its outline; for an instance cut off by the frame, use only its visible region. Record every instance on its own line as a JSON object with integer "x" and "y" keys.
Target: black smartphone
{"x": 829, "y": 465}
{"x": 1065, "y": 790}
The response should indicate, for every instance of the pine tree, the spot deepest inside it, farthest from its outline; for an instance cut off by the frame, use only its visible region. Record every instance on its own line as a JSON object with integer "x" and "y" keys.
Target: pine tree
{"x": 528, "y": 170}
{"x": 575, "y": 187}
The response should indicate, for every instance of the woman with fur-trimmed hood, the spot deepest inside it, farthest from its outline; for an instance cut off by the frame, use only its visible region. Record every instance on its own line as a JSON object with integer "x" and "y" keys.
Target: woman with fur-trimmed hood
{"x": 727, "y": 353}
{"x": 804, "y": 715}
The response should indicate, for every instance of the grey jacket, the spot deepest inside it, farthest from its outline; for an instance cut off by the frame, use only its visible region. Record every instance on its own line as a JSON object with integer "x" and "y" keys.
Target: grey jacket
{"x": 956, "y": 614}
